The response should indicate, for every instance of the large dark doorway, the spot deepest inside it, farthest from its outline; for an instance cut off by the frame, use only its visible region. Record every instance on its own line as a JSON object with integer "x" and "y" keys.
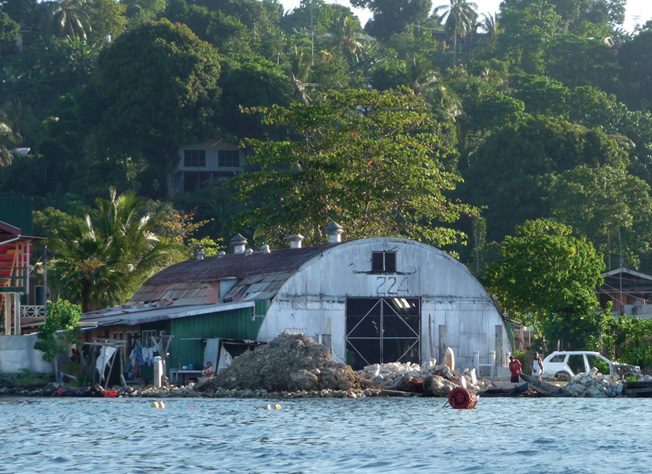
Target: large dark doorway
{"x": 381, "y": 330}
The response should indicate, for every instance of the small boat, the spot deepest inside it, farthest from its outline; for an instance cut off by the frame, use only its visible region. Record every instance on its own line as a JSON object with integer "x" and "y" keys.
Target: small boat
{"x": 637, "y": 389}
{"x": 506, "y": 391}
{"x": 545, "y": 388}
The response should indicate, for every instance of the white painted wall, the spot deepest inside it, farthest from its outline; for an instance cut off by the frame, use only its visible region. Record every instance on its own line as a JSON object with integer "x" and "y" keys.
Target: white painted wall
{"x": 18, "y": 353}
{"x": 313, "y": 301}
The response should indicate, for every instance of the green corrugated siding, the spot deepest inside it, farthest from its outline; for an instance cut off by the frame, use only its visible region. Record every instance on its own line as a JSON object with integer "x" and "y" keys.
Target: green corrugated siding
{"x": 18, "y": 213}
{"x": 262, "y": 306}
{"x": 187, "y": 347}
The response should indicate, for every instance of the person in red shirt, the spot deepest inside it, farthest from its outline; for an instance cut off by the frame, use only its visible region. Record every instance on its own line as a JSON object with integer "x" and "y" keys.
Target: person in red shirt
{"x": 515, "y": 368}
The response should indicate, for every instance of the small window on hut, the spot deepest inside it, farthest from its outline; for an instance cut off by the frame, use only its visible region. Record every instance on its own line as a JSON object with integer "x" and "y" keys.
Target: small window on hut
{"x": 383, "y": 262}
{"x": 147, "y": 338}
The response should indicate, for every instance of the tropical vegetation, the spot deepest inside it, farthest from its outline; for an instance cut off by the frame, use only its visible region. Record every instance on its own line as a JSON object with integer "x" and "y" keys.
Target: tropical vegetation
{"x": 432, "y": 121}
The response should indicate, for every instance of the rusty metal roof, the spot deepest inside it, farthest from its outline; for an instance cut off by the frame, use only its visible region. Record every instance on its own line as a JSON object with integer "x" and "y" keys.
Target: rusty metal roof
{"x": 260, "y": 276}
{"x": 237, "y": 266}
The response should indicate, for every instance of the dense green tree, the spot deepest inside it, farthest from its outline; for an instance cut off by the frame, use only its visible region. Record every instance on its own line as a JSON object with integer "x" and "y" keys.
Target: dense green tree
{"x": 108, "y": 19}
{"x": 330, "y": 71}
{"x": 249, "y": 12}
{"x": 633, "y": 340}
{"x": 225, "y": 32}
{"x": 545, "y": 270}
{"x": 60, "y": 328}
{"x": 458, "y": 18}
{"x": 374, "y": 162}
{"x": 635, "y": 58}
{"x": 609, "y": 206}
{"x": 322, "y": 17}
{"x": 250, "y": 81}
{"x": 541, "y": 95}
{"x": 577, "y": 61}
{"x": 8, "y": 33}
{"x": 101, "y": 261}
{"x": 528, "y": 27}
{"x": 393, "y": 16}
{"x": 512, "y": 170}
{"x": 23, "y": 12}
{"x": 139, "y": 11}
{"x": 154, "y": 89}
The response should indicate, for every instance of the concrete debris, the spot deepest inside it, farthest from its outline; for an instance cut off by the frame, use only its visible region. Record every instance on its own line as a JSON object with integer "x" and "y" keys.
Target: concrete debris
{"x": 595, "y": 385}
{"x": 432, "y": 380}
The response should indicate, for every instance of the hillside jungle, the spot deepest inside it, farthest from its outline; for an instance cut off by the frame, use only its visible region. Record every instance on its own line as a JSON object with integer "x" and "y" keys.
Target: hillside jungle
{"x": 505, "y": 140}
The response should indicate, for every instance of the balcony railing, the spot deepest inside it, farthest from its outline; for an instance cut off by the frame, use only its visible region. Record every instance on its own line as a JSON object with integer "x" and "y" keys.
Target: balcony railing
{"x": 32, "y": 311}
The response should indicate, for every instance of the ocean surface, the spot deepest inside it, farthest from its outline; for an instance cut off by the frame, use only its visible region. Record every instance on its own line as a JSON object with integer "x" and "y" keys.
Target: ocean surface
{"x": 502, "y": 435}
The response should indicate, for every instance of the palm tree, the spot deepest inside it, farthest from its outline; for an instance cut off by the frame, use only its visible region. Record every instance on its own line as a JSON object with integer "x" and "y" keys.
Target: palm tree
{"x": 458, "y": 19}
{"x": 490, "y": 24}
{"x": 420, "y": 73}
{"x": 348, "y": 37}
{"x": 67, "y": 19}
{"x": 102, "y": 260}
{"x": 300, "y": 62}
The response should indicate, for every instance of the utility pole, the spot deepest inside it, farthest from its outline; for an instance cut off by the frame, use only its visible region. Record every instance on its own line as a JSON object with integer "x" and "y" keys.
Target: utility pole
{"x": 312, "y": 32}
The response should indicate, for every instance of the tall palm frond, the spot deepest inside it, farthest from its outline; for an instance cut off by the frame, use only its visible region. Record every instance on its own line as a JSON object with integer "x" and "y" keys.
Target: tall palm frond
{"x": 348, "y": 37}
{"x": 67, "y": 19}
{"x": 458, "y": 19}
{"x": 420, "y": 73}
{"x": 103, "y": 259}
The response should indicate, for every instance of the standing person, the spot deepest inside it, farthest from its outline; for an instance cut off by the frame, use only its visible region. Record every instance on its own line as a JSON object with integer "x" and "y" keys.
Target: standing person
{"x": 515, "y": 368}
{"x": 537, "y": 366}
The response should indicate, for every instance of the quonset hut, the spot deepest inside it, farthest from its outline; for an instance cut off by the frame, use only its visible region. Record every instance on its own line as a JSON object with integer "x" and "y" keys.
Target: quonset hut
{"x": 370, "y": 301}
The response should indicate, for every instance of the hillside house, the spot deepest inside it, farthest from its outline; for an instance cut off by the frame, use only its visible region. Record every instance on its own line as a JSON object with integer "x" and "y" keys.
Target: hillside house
{"x": 629, "y": 291}
{"x": 206, "y": 164}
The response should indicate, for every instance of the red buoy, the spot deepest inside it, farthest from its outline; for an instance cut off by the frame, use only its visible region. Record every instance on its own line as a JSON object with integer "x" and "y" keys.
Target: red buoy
{"x": 461, "y": 398}
{"x": 110, "y": 393}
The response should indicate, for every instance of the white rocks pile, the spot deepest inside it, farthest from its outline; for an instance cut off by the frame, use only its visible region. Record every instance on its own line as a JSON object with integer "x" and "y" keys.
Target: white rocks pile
{"x": 595, "y": 385}
{"x": 438, "y": 380}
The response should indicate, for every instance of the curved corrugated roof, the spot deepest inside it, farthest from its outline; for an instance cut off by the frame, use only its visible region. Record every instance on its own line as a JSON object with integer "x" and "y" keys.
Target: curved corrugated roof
{"x": 237, "y": 266}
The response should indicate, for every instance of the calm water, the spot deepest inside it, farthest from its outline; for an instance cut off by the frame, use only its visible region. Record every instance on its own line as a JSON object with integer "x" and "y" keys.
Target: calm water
{"x": 316, "y": 436}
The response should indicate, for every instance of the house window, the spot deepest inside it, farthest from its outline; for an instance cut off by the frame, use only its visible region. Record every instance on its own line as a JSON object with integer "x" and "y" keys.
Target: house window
{"x": 194, "y": 158}
{"x": 383, "y": 262}
{"x": 147, "y": 338}
{"x": 228, "y": 158}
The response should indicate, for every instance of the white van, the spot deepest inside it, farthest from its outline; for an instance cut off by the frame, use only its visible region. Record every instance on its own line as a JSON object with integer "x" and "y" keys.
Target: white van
{"x": 562, "y": 365}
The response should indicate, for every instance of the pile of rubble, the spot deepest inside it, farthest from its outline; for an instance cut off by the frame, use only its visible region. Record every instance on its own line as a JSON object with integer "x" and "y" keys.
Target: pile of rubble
{"x": 595, "y": 385}
{"x": 432, "y": 380}
{"x": 289, "y": 363}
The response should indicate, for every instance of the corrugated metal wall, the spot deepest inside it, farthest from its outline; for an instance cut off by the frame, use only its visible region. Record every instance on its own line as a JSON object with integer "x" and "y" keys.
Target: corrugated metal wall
{"x": 187, "y": 347}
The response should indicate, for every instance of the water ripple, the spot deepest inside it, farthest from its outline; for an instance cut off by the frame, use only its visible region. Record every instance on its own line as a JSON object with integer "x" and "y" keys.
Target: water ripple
{"x": 529, "y": 436}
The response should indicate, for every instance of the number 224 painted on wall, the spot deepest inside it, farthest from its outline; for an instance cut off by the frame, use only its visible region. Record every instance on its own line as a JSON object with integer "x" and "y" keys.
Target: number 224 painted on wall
{"x": 392, "y": 286}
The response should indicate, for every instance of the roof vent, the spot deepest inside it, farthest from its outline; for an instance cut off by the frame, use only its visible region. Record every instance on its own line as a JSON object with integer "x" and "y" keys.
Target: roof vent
{"x": 239, "y": 242}
{"x": 221, "y": 254}
{"x": 334, "y": 232}
{"x": 265, "y": 249}
{"x": 295, "y": 241}
{"x": 199, "y": 255}
{"x": 248, "y": 252}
